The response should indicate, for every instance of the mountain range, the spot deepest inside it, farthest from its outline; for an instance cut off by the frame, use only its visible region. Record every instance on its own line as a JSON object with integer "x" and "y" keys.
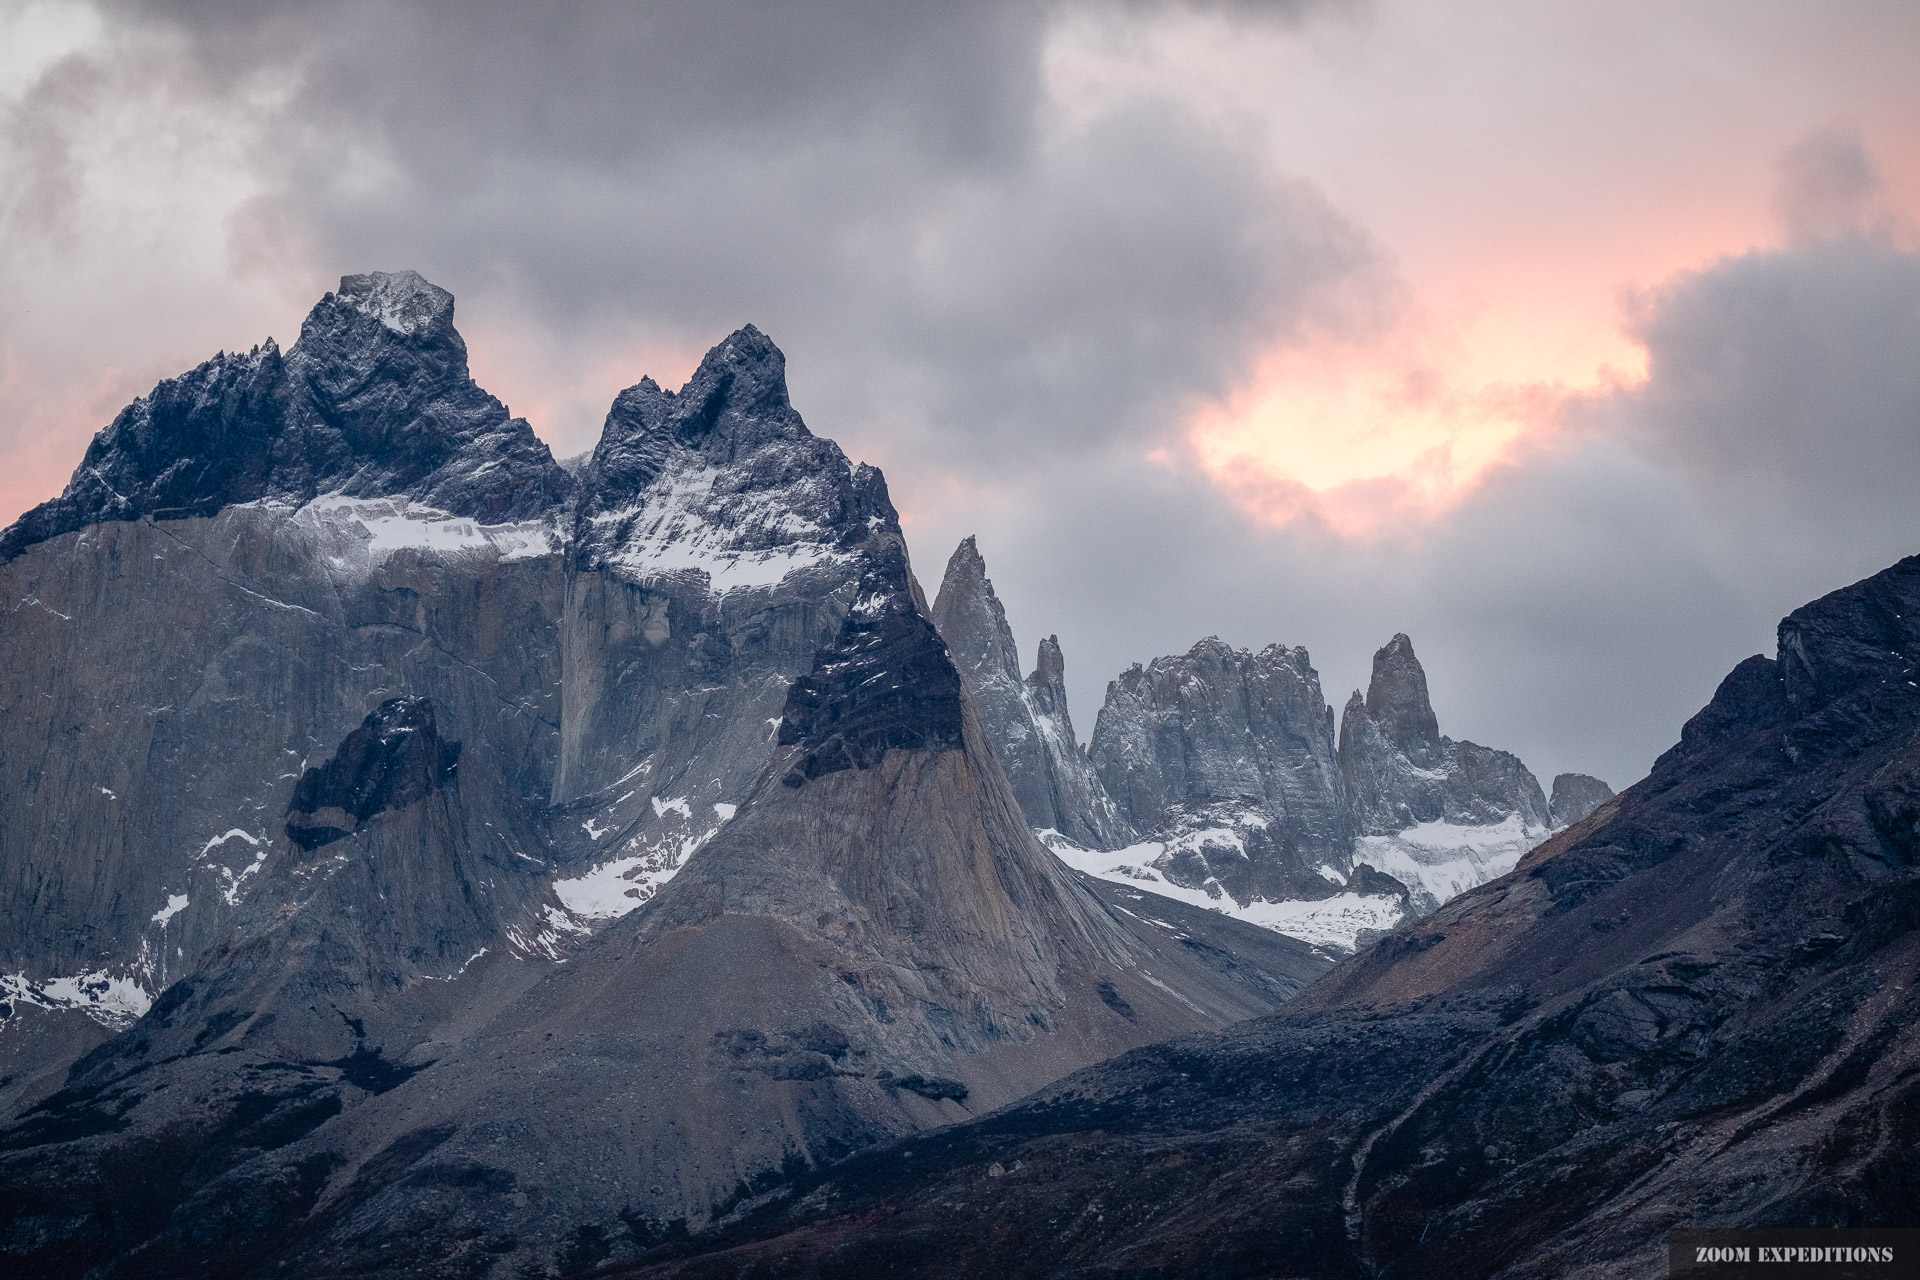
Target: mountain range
{"x": 1216, "y": 777}
{"x": 425, "y": 859}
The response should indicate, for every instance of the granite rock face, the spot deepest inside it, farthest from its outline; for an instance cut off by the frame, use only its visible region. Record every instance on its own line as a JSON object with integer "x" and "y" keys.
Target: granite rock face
{"x": 1693, "y": 1008}
{"x": 242, "y": 570}
{"x": 1216, "y": 726}
{"x": 1401, "y": 771}
{"x": 1440, "y": 816}
{"x": 357, "y": 761}
{"x": 1028, "y": 720}
{"x": 1575, "y": 795}
{"x": 1226, "y": 787}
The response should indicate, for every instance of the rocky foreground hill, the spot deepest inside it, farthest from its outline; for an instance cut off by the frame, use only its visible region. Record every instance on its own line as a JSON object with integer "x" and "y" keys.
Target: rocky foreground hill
{"x": 1695, "y": 1007}
{"x": 357, "y": 758}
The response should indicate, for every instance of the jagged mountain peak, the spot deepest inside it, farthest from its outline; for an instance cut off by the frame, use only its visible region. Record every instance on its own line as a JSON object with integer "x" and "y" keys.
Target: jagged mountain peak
{"x": 972, "y": 620}
{"x": 1401, "y": 774}
{"x": 374, "y": 401}
{"x": 1050, "y": 665}
{"x": 735, "y": 403}
{"x": 966, "y": 562}
{"x": 1032, "y": 729}
{"x": 381, "y": 327}
{"x": 404, "y": 301}
{"x": 1397, "y": 699}
{"x": 737, "y": 398}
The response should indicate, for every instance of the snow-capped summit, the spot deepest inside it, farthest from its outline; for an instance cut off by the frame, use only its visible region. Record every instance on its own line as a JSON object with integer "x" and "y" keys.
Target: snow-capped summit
{"x": 404, "y": 301}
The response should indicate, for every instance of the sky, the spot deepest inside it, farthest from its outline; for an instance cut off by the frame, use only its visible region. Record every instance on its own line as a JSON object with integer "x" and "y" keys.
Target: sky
{"x": 1579, "y": 341}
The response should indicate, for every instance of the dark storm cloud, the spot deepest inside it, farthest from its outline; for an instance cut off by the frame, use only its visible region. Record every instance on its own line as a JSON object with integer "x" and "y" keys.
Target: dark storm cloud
{"x": 1789, "y": 383}
{"x": 875, "y": 184}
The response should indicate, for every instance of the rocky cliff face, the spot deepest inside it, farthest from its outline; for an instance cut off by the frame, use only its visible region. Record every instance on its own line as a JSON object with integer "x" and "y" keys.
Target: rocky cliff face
{"x": 1693, "y": 1007}
{"x": 1440, "y": 816}
{"x": 1575, "y": 795}
{"x": 1220, "y": 724}
{"x": 1213, "y": 777}
{"x": 191, "y": 638}
{"x": 1028, "y": 721}
{"x": 351, "y": 769}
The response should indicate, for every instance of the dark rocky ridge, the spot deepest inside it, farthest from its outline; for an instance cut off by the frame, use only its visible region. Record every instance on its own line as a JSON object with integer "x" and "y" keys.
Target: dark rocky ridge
{"x": 254, "y": 707}
{"x": 1575, "y": 795}
{"x": 374, "y": 400}
{"x": 885, "y": 684}
{"x": 1695, "y": 1007}
{"x": 395, "y": 758}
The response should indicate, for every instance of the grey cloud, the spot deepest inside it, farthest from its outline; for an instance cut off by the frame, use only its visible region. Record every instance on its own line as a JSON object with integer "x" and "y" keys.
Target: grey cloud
{"x": 976, "y": 295}
{"x": 611, "y": 83}
{"x": 1829, "y": 187}
{"x": 1567, "y": 611}
{"x": 873, "y": 184}
{"x": 1587, "y": 597}
{"x": 1785, "y": 388}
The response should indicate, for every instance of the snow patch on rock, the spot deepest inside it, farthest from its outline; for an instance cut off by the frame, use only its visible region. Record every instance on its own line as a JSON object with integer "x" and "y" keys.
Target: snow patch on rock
{"x": 1439, "y": 860}
{"x": 357, "y": 535}
{"x": 114, "y": 1001}
{"x": 695, "y": 519}
{"x": 1335, "y": 922}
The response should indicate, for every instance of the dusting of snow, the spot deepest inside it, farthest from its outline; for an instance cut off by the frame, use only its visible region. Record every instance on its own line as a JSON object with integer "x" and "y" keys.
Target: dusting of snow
{"x": 233, "y": 880}
{"x": 356, "y": 535}
{"x": 403, "y": 301}
{"x": 593, "y": 832}
{"x": 176, "y": 903}
{"x": 677, "y": 804}
{"x": 112, "y": 1001}
{"x": 462, "y": 969}
{"x": 549, "y": 935}
{"x": 1170, "y": 991}
{"x": 37, "y": 603}
{"x": 694, "y": 519}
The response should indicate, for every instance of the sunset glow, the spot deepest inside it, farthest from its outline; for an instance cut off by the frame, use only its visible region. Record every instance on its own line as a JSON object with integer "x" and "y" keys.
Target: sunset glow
{"x": 1365, "y": 436}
